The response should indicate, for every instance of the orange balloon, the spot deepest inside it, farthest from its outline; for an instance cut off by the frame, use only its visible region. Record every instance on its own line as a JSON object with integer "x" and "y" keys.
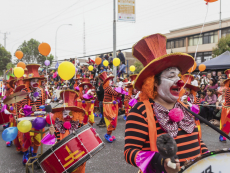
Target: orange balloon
{"x": 44, "y": 49}
{"x": 192, "y": 68}
{"x": 21, "y": 64}
{"x": 98, "y": 60}
{"x": 19, "y": 54}
{"x": 210, "y": 1}
{"x": 202, "y": 67}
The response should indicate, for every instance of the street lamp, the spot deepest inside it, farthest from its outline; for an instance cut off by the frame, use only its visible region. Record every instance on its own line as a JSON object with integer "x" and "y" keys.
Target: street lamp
{"x": 56, "y": 40}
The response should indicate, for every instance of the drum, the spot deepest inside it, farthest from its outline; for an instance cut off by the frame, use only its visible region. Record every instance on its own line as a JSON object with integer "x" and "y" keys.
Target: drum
{"x": 212, "y": 162}
{"x": 72, "y": 151}
{"x": 4, "y": 118}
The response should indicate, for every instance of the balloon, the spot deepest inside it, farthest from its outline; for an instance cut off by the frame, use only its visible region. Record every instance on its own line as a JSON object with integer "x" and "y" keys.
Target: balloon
{"x": 132, "y": 68}
{"x": 116, "y": 62}
{"x": 24, "y": 126}
{"x": 76, "y": 69}
{"x": 193, "y": 67}
{"x": 48, "y": 118}
{"x": 39, "y": 123}
{"x": 202, "y": 67}
{"x": 21, "y": 64}
{"x": 47, "y": 62}
{"x": 210, "y": 1}
{"x": 105, "y": 63}
{"x": 19, "y": 54}
{"x": 90, "y": 68}
{"x": 66, "y": 70}
{"x": 44, "y": 49}
{"x": 10, "y": 134}
{"x": 18, "y": 72}
{"x": 98, "y": 61}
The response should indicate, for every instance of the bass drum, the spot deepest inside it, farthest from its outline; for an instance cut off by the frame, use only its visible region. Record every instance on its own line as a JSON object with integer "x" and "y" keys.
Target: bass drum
{"x": 212, "y": 162}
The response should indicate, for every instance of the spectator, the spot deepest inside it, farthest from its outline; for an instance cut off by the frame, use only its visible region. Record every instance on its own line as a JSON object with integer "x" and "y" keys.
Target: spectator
{"x": 219, "y": 74}
{"x": 195, "y": 81}
{"x": 106, "y": 56}
{"x": 122, "y": 69}
{"x": 102, "y": 69}
{"x": 212, "y": 85}
{"x": 210, "y": 101}
{"x": 202, "y": 97}
{"x": 109, "y": 70}
{"x": 121, "y": 57}
{"x": 110, "y": 61}
{"x": 220, "y": 88}
{"x": 90, "y": 61}
{"x": 100, "y": 95}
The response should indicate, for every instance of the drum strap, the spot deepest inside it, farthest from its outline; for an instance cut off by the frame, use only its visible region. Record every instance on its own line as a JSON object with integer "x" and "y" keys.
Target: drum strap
{"x": 151, "y": 126}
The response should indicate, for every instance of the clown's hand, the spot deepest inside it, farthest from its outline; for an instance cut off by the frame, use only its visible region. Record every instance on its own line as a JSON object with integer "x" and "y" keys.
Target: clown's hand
{"x": 34, "y": 108}
{"x": 184, "y": 97}
{"x": 190, "y": 104}
{"x": 51, "y": 129}
{"x": 136, "y": 97}
{"x": 7, "y": 112}
{"x": 172, "y": 167}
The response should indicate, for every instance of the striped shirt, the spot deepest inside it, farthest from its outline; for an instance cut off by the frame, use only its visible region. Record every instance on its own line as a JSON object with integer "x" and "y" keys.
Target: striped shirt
{"x": 227, "y": 97}
{"x": 109, "y": 93}
{"x": 137, "y": 137}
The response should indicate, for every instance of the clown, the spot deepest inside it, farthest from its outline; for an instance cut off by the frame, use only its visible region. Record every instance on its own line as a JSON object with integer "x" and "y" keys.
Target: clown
{"x": 77, "y": 82}
{"x": 110, "y": 107}
{"x": 67, "y": 119}
{"x": 159, "y": 111}
{"x": 29, "y": 105}
{"x": 225, "y": 116}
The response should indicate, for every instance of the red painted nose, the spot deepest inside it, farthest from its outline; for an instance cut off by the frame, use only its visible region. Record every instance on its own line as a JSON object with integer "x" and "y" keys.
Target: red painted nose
{"x": 180, "y": 83}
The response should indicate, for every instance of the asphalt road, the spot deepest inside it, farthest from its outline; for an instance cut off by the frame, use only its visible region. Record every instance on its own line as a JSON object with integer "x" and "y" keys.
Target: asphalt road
{"x": 109, "y": 160}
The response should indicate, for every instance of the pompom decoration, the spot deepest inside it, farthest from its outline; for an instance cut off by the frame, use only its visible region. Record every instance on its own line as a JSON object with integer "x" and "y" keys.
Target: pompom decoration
{"x": 176, "y": 115}
{"x": 114, "y": 138}
{"x": 83, "y": 101}
{"x": 11, "y": 108}
{"x": 36, "y": 94}
{"x": 92, "y": 101}
{"x": 195, "y": 109}
{"x": 114, "y": 102}
{"x": 67, "y": 125}
{"x": 189, "y": 99}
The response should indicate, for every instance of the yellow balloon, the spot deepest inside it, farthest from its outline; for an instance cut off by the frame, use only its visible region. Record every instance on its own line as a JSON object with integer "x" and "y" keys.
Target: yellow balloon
{"x": 66, "y": 70}
{"x": 116, "y": 62}
{"x": 18, "y": 72}
{"x": 24, "y": 126}
{"x": 132, "y": 68}
{"x": 105, "y": 63}
{"x": 90, "y": 68}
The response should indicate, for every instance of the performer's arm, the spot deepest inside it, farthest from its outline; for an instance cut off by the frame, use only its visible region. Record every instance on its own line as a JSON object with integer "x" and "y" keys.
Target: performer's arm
{"x": 204, "y": 149}
{"x": 112, "y": 92}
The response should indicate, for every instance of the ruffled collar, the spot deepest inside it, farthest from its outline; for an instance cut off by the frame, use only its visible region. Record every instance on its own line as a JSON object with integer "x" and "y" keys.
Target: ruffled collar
{"x": 60, "y": 127}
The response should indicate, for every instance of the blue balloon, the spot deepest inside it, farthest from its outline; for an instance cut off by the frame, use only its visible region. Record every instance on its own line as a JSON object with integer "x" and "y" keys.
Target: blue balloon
{"x": 10, "y": 134}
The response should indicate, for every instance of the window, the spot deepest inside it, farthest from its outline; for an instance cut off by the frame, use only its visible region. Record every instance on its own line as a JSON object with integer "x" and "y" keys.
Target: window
{"x": 206, "y": 38}
{"x": 225, "y": 32}
{"x": 202, "y": 56}
{"x": 180, "y": 42}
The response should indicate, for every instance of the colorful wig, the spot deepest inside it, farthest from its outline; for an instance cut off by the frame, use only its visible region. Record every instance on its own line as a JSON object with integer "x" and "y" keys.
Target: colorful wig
{"x": 77, "y": 116}
{"x": 148, "y": 90}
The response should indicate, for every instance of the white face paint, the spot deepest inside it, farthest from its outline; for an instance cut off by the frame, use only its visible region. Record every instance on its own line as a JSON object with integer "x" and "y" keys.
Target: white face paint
{"x": 34, "y": 83}
{"x": 67, "y": 114}
{"x": 168, "y": 90}
{"x": 86, "y": 86}
{"x": 79, "y": 81}
{"x": 110, "y": 83}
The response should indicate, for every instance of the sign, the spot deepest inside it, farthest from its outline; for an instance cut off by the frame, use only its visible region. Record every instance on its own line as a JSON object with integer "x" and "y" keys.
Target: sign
{"x": 126, "y": 11}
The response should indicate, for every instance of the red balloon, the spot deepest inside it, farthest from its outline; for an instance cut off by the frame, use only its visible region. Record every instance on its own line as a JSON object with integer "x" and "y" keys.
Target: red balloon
{"x": 48, "y": 118}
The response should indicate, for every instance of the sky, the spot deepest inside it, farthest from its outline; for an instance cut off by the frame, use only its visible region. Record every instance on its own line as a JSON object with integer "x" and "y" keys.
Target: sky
{"x": 26, "y": 19}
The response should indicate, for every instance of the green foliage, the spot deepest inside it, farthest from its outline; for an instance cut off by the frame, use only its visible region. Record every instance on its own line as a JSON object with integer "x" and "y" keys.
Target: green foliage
{"x": 31, "y": 53}
{"x": 5, "y": 58}
{"x": 10, "y": 65}
{"x": 138, "y": 66}
{"x": 222, "y": 46}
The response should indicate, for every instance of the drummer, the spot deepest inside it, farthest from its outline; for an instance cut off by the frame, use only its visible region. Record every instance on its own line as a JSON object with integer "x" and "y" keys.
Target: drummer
{"x": 158, "y": 109}
{"x": 67, "y": 119}
{"x": 30, "y": 104}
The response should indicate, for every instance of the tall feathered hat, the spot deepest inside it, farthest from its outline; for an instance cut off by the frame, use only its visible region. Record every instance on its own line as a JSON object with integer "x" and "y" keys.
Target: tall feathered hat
{"x": 151, "y": 52}
{"x": 33, "y": 72}
{"x": 130, "y": 83}
{"x": 227, "y": 72}
{"x": 85, "y": 81}
{"x": 103, "y": 76}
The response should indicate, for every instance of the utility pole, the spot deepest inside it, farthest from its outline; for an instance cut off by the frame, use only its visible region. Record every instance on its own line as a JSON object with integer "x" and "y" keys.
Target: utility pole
{"x": 84, "y": 49}
{"x": 4, "y": 38}
{"x": 114, "y": 39}
{"x": 220, "y": 22}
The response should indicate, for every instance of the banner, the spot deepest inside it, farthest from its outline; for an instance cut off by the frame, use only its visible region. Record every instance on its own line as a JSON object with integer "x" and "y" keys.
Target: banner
{"x": 126, "y": 10}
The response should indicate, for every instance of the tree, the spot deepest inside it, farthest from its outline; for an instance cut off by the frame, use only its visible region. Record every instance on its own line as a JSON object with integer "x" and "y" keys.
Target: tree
{"x": 5, "y": 58}
{"x": 31, "y": 53}
{"x": 138, "y": 66}
{"x": 222, "y": 46}
{"x": 10, "y": 65}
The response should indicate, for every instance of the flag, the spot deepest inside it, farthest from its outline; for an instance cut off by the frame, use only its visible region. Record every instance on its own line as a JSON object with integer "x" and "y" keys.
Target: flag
{"x": 56, "y": 66}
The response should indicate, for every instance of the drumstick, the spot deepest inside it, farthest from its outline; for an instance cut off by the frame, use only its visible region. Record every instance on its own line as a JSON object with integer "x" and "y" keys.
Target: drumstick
{"x": 208, "y": 123}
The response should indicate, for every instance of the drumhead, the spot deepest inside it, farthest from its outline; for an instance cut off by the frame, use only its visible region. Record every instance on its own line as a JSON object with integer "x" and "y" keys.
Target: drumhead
{"x": 215, "y": 161}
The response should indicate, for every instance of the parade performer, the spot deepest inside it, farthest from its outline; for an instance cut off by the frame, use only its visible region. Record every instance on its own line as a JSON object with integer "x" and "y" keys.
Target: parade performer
{"x": 67, "y": 119}
{"x": 87, "y": 101}
{"x": 189, "y": 99}
{"x": 77, "y": 82}
{"x": 110, "y": 107}
{"x": 30, "y": 104}
{"x": 129, "y": 95}
{"x": 225, "y": 114}
{"x": 159, "y": 112}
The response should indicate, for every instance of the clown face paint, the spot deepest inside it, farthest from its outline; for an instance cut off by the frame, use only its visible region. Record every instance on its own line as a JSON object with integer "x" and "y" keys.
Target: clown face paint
{"x": 168, "y": 90}
{"x": 187, "y": 91}
{"x": 67, "y": 115}
{"x": 110, "y": 83}
{"x": 85, "y": 87}
{"x": 34, "y": 83}
{"x": 79, "y": 81}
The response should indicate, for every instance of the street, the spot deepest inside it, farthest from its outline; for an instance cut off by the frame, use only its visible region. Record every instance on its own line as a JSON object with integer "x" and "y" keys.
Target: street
{"x": 108, "y": 160}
